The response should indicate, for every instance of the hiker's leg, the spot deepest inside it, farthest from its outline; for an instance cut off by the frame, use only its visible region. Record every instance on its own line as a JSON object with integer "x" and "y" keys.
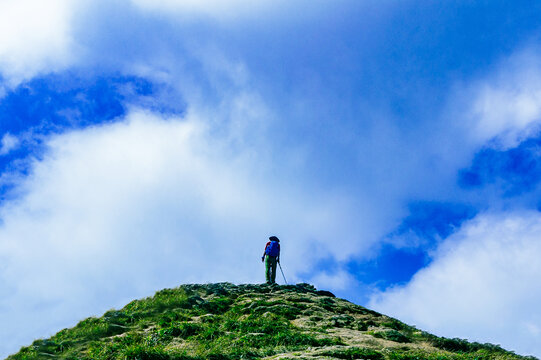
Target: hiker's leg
{"x": 267, "y": 269}
{"x": 273, "y": 277}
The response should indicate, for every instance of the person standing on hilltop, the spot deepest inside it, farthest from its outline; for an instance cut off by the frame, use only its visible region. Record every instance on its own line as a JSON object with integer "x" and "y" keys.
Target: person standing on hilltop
{"x": 271, "y": 256}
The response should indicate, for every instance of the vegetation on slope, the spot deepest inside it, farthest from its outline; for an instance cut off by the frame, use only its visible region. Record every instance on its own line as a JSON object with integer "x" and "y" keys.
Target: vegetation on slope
{"x": 224, "y": 322}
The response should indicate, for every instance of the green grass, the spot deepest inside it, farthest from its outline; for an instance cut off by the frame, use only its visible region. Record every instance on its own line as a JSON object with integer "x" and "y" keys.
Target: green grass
{"x": 392, "y": 335}
{"x": 145, "y": 329}
{"x": 354, "y": 353}
{"x": 227, "y": 322}
{"x": 423, "y": 355}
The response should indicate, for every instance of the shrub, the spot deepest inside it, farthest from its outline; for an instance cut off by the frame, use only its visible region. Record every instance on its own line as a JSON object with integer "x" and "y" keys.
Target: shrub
{"x": 141, "y": 352}
{"x": 361, "y": 326}
{"x": 118, "y": 317}
{"x": 341, "y": 320}
{"x": 392, "y": 335}
{"x": 182, "y": 330}
{"x": 327, "y": 303}
{"x": 217, "y": 306}
{"x": 354, "y": 353}
{"x": 393, "y": 324}
{"x": 46, "y": 346}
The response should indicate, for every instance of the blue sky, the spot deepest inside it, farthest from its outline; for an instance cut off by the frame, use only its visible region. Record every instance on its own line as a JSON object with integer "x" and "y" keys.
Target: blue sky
{"x": 392, "y": 146}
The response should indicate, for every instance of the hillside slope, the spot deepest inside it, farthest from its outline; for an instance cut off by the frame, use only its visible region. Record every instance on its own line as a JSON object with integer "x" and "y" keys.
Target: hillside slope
{"x": 226, "y": 321}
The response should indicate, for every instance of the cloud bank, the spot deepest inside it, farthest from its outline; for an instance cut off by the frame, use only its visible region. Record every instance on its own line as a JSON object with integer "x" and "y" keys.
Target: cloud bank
{"x": 35, "y": 36}
{"x": 481, "y": 281}
{"x": 117, "y": 211}
{"x": 481, "y": 285}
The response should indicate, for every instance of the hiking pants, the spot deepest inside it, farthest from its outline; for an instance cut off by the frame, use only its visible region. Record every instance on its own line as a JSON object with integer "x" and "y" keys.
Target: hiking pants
{"x": 270, "y": 269}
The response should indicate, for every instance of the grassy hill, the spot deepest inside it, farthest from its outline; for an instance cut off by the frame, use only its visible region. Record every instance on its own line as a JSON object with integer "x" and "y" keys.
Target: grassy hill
{"x": 225, "y": 322}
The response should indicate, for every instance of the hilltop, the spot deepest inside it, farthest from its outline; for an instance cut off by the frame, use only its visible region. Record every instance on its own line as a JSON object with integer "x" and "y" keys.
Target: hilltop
{"x": 225, "y": 322}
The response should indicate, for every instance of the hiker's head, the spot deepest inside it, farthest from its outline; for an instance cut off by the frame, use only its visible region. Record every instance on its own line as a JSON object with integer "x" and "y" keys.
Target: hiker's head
{"x": 274, "y": 238}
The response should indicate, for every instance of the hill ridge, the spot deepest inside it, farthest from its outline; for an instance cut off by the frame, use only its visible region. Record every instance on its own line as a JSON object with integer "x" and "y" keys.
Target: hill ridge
{"x": 223, "y": 321}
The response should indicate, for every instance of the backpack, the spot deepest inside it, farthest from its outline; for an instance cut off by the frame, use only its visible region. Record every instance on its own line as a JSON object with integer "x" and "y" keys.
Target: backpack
{"x": 273, "y": 249}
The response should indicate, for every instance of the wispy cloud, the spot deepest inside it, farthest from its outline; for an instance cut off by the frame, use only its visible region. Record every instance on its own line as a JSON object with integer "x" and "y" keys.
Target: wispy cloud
{"x": 216, "y": 9}
{"x": 504, "y": 107}
{"x": 9, "y": 142}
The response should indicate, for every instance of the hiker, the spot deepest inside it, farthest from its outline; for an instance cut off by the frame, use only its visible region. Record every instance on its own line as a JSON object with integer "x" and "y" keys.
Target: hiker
{"x": 271, "y": 256}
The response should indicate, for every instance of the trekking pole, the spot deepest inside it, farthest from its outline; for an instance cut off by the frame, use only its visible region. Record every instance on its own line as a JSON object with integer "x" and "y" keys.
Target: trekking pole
{"x": 283, "y": 273}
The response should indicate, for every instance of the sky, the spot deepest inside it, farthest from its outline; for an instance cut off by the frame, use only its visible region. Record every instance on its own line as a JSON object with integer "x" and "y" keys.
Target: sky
{"x": 393, "y": 147}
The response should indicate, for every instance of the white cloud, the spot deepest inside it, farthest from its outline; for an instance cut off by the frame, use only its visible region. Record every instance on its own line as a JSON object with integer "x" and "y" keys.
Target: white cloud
{"x": 337, "y": 280}
{"x": 116, "y": 212}
{"x": 34, "y": 36}
{"x": 9, "y": 142}
{"x": 483, "y": 284}
{"x": 505, "y": 107}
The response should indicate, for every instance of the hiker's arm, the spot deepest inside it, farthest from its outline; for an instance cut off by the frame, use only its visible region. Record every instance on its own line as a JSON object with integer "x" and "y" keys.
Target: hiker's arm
{"x": 265, "y": 251}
